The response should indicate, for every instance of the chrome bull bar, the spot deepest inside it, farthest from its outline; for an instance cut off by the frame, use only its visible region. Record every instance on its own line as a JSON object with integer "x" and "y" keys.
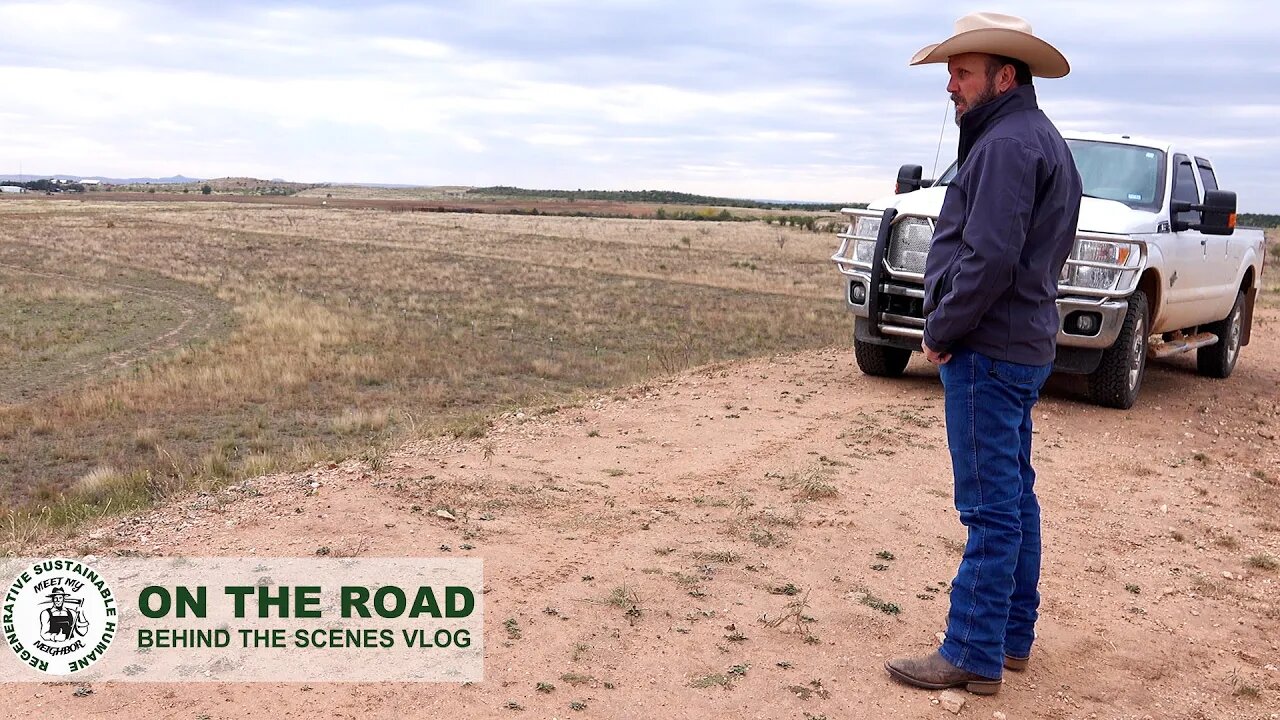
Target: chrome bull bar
{"x": 879, "y": 273}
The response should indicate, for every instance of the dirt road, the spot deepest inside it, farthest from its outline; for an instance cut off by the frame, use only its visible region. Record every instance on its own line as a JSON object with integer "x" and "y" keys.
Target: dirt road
{"x": 195, "y": 315}
{"x": 699, "y": 501}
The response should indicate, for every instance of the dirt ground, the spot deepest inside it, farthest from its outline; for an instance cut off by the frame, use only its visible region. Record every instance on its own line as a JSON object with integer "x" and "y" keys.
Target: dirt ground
{"x": 700, "y": 500}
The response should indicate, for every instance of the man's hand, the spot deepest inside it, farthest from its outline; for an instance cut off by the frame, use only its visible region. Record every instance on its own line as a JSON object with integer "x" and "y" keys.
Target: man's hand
{"x": 933, "y": 356}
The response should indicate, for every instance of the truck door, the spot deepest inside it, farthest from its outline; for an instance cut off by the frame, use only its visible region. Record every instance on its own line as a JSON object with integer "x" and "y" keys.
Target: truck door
{"x": 1225, "y": 252}
{"x": 1191, "y": 283}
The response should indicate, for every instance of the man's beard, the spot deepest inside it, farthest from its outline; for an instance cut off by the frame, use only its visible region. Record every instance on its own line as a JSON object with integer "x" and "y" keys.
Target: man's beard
{"x": 987, "y": 95}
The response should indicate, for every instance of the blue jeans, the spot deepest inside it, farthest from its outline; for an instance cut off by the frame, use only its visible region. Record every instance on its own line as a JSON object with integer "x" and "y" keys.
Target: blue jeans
{"x": 994, "y": 597}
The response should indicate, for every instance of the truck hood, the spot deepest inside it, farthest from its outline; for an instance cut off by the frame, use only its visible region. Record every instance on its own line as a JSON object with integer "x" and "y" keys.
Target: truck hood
{"x": 1096, "y": 215}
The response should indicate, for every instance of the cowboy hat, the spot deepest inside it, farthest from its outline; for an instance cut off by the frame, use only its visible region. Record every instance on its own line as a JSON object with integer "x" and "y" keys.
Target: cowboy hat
{"x": 60, "y": 593}
{"x": 997, "y": 34}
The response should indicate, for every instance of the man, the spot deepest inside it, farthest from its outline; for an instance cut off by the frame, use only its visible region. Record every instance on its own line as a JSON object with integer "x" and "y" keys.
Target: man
{"x": 1006, "y": 228}
{"x": 59, "y": 623}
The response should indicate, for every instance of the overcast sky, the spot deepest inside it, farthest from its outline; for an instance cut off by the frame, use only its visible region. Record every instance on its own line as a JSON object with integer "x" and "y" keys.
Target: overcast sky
{"x": 786, "y": 100}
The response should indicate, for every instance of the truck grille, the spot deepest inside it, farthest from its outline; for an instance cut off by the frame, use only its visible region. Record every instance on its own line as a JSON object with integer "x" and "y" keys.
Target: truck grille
{"x": 909, "y": 244}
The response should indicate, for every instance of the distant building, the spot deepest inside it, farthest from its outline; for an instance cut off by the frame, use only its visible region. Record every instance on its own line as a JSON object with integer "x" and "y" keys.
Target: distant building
{"x": 12, "y": 189}
{"x": 90, "y": 182}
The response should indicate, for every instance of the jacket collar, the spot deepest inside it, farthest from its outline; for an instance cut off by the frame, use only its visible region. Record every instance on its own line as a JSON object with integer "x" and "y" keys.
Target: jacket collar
{"x": 976, "y": 121}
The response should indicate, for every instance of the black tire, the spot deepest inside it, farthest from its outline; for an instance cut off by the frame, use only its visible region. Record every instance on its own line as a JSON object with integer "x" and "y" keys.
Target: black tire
{"x": 1116, "y": 382}
{"x": 1219, "y": 359}
{"x": 880, "y": 360}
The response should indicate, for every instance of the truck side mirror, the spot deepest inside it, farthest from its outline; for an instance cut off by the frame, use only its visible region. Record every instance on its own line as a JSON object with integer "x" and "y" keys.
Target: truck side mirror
{"x": 908, "y": 179}
{"x": 1217, "y": 213}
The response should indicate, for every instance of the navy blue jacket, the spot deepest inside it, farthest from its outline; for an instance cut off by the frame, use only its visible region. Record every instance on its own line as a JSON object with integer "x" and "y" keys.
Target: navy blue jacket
{"x": 1007, "y": 225}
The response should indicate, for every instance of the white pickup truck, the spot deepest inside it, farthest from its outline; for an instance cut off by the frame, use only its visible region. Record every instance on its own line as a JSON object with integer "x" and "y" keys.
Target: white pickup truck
{"x": 1159, "y": 268}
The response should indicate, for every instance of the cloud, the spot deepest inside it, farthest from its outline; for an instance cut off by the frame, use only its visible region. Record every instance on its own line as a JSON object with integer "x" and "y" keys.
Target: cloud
{"x": 808, "y": 99}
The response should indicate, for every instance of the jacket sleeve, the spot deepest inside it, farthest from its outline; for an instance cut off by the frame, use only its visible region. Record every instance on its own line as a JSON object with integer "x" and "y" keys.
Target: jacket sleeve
{"x": 1001, "y": 198}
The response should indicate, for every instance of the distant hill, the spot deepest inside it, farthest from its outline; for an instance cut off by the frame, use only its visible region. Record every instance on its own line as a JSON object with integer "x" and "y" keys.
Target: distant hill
{"x": 172, "y": 184}
{"x": 173, "y": 180}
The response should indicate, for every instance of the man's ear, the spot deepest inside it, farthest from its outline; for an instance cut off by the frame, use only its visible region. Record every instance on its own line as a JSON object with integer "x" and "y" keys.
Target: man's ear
{"x": 1008, "y": 79}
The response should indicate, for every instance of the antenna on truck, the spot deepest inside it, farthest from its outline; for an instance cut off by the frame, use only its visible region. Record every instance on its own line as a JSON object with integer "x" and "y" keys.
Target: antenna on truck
{"x": 941, "y": 132}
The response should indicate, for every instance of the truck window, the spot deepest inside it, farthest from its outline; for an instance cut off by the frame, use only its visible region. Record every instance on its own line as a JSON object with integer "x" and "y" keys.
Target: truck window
{"x": 1184, "y": 185}
{"x": 1125, "y": 173}
{"x": 948, "y": 176}
{"x": 1207, "y": 178}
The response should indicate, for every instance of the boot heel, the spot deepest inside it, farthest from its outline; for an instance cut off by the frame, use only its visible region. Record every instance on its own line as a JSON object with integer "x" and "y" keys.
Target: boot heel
{"x": 1015, "y": 664}
{"x": 983, "y": 687}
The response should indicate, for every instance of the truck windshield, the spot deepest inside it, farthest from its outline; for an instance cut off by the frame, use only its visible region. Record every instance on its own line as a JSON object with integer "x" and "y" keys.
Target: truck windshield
{"x": 1125, "y": 173}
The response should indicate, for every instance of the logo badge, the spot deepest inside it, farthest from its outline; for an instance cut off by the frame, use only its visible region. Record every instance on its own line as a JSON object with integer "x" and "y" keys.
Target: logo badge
{"x": 59, "y": 616}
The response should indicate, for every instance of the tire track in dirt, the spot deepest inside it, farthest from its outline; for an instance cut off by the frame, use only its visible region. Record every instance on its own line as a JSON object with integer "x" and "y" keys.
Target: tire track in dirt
{"x": 199, "y": 314}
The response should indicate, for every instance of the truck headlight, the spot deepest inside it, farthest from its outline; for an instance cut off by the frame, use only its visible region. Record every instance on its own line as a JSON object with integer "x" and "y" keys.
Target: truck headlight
{"x": 864, "y": 251}
{"x": 866, "y": 230}
{"x": 1101, "y": 251}
{"x": 1107, "y": 260}
{"x": 1089, "y": 277}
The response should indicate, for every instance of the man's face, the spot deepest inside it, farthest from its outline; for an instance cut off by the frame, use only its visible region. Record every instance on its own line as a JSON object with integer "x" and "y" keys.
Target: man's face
{"x": 57, "y": 602}
{"x": 972, "y": 83}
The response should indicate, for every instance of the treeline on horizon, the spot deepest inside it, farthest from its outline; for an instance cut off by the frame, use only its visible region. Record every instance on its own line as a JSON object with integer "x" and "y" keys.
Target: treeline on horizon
{"x": 666, "y": 197}
{"x": 47, "y": 185}
{"x": 1258, "y": 220}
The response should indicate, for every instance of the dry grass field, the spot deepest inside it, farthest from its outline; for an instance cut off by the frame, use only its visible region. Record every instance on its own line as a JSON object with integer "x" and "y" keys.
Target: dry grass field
{"x": 152, "y": 346}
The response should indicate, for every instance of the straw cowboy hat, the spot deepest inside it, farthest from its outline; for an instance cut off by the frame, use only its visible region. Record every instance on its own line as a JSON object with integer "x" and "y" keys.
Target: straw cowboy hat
{"x": 997, "y": 34}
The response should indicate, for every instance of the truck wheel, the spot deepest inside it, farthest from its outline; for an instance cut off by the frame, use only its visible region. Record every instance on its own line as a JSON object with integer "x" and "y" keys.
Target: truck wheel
{"x": 880, "y": 360}
{"x": 1116, "y": 381}
{"x": 1219, "y": 359}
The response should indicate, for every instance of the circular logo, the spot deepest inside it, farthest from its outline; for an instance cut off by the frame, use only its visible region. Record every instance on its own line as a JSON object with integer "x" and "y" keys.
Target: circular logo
{"x": 59, "y": 616}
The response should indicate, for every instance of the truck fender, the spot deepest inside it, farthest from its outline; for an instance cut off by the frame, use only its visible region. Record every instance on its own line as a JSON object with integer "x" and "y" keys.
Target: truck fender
{"x": 1250, "y": 297}
{"x": 1249, "y": 285}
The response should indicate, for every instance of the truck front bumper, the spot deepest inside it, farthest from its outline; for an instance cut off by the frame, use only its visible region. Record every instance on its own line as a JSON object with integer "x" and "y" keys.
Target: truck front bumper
{"x": 1083, "y": 323}
{"x": 1105, "y": 318}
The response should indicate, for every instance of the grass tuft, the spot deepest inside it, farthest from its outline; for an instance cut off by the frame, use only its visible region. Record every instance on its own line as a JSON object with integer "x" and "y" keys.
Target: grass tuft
{"x": 1262, "y": 561}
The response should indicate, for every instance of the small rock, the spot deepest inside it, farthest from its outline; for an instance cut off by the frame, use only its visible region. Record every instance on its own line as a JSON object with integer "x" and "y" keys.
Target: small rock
{"x": 1226, "y": 574}
{"x": 941, "y": 637}
{"x": 445, "y": 514}
{"x": 90, "y": 559}
{"x": 952, "y": 701}
{"x": 997, "y": 715}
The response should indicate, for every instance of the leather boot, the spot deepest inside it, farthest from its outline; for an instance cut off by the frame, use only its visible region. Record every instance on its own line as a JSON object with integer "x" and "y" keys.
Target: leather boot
{"x": 933, "y": 672}
{"x": 1016, "y": 664}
